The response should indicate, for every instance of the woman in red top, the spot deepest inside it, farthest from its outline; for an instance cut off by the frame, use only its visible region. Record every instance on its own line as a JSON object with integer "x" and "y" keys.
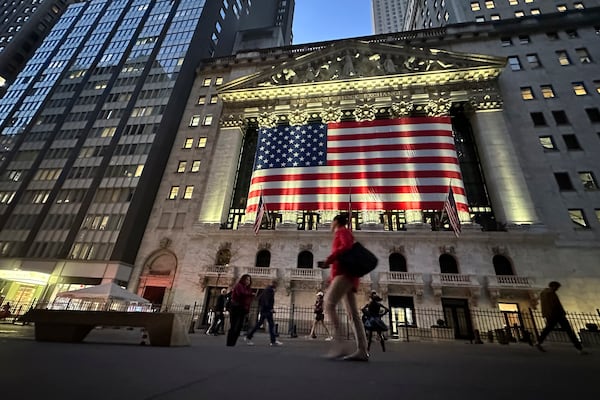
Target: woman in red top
{"x": 343, "y": 286}
{"x": 241, "y": 298}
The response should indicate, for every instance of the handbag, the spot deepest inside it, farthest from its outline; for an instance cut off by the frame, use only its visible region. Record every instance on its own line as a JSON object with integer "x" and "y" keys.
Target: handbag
{"x": 358, "y": 260}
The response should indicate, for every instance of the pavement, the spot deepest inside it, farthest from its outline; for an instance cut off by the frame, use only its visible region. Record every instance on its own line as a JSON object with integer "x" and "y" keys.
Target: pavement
{"x": 111, "y": 364}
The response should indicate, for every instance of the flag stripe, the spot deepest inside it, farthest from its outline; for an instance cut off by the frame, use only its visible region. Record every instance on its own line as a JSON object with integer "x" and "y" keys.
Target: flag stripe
{"x": 392, "y": 147}
{"x": 393, "y": 160}
{"x": 319, "y": 189}
{"x": 343, "y": 205}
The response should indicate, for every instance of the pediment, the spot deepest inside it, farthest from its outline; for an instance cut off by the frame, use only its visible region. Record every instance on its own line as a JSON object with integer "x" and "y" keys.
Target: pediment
{"x": 358, "y": 60}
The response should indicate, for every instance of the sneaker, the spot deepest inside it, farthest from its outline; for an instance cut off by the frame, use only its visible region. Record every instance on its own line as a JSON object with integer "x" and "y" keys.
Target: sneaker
{"x": 248, "y": 341}
{"x": 276, "y": 343}
{"x": 539, "y": 347}
{"x": 329, "y": 338}
{"x": 313, "y": 336}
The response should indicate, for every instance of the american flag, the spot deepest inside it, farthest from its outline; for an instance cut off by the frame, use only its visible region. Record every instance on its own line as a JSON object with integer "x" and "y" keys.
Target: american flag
{"x": 450, "y": 209}
{"x": 395, "y": 164}
{"x": 259, "y": 214}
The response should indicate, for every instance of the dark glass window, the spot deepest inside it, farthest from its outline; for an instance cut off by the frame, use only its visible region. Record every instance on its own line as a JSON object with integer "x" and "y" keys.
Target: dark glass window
{"x": 397, "y": 262}
{"x": 571, "y": 142}
{"x": 563, "y": 180}
{"x": 263, "y": 259}
{"x": 560, "y": 117}
{"x": 305, "y": 259}
{"x": 448, "y": 264}
{"x": 502, "y": 265}
{"x": 538, "y": 119}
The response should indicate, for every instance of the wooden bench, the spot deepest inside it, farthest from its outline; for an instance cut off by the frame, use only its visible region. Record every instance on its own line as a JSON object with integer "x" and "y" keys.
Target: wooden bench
{"x": 164, "y": 329}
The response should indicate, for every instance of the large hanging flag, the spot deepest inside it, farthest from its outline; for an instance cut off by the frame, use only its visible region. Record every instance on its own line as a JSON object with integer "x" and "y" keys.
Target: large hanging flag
{"x": 395, "y": 164}
{"x": 452, "y": 212}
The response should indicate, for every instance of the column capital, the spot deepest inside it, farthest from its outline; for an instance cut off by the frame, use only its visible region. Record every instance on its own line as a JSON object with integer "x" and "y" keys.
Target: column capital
{"x": 486, "y": 101}
{"x": 267, "y": 120}
{"x": 232, "y": 121}
{"x": 365, "y": 112}
{"x": 402, "y": 108}
{"x": 438, "y": 107}
{"x": 331, "y": 114}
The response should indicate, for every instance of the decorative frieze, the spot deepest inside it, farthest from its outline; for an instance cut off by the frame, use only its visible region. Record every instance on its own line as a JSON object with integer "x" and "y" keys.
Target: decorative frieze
{"x": 402, "y": 108}
{"x": 489, "y": 101}
{"x": 365, "y": 112}
{"x": 267, "y": 120}
{"x": 438, "y": 107}
{"x": 331, "y": 114}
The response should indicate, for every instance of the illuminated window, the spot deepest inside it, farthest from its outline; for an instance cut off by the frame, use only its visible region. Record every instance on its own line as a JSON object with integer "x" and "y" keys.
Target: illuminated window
{"x": 563, "y": 181}
{"x": 490, "y": 4}
{"x": 597, "y": 86}
{"x": 506, "y": 41}
{"x": 189, "y": 191}
{"x": 571, "y": 142}
{"x": 189, "y": 143}
{"x": 588, "y": 180}
{"x": 108, "y": 132}
{"x": 214, "y": 99}
{"x": 579, "y": 88}
{"x": 202, "y": 142}
{"x": 201, "y": 100}
{"x": 181, "y": 166}
{"x": 495, "y": 17}
{"x": 547, "y": 91}
{"x": 475, "y": 6}
{"x": 480, "y": 19}
{"x": 534, "y": 61}
{"x": 583, "y": 55}
{"x": 561, "y": 8}
{"x": 195, "y": 166}
{"x": 535, "y": 11}
{"x": 578, "y": 6}
{"x": 513, "y": 2}
{"x": 219, "y": 80}
{"x": 195, "y": 120}
{"x": 527, "y": 93}
{"x": 597, "y": 211}
{"x": 547, "y": 143}
{"x": 519, "y": 14}
{"x": 578, "y": 218}
{"x": 563, "y": 57}
{"x": 524, "y": 39}
{"x": 206, "y": 82}
{"x": 173, "y": 192}
{"x": 207, "y": 120}
{"x": 138, "y": 171}
{"x": 514, "y": 63}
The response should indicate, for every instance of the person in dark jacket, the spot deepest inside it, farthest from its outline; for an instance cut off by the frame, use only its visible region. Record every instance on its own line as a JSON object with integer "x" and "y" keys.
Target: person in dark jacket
{"x": 241, "y": 298}
{"x": 372, "y": 313}
{"x": 555, "y": 314}
{"x": 266, "y": 304}
{"x": 219, "y": 315}
{"x": 319, "y": 318}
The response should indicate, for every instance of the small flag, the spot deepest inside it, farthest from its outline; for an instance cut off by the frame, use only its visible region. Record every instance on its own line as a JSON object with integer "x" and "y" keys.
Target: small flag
{"x": 350, "y": 207}
{"x": 260, "y": 212}
{"x": 451, "y": 210}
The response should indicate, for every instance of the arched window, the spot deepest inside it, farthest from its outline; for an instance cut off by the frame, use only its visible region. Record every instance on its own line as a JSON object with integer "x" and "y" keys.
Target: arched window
{"x": 223, "y": 257}
{"x": 448, "y": 264}
{"x": 397, "y": 262}
{"x": 263, "y": 259}
{"x": 502, "y": 265}
{"x": 305, "y": 259}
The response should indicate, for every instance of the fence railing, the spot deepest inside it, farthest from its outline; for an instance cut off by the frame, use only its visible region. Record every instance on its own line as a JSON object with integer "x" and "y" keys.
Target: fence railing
{"x": 509, "y": 281}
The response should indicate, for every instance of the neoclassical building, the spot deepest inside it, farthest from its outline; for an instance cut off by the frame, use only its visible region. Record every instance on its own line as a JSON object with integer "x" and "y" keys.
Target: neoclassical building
{"x": 522, "y": 227}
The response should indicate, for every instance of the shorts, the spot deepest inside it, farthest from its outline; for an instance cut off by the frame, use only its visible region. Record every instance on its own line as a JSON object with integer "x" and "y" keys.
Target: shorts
{"x": 320, "y": 317}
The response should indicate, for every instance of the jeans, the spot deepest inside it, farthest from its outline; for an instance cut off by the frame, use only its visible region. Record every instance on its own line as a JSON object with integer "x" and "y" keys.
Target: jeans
{"x": 342, "y": 288}
{"x": 236, "y": 316}
{"x": 217, "y": 323}
{"x": 564, "y": 323}
{"x": 264, "y": 315}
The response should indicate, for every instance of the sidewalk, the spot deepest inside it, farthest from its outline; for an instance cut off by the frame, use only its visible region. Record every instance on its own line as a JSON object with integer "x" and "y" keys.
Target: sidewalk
{"x": 209, "y": 370}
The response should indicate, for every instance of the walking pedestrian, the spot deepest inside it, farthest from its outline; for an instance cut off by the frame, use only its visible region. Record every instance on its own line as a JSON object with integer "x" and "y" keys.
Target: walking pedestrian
{"x": 219, "y": 315}
{"x": 343, "y": 287}
{"x": 266, "y": 304}
{"x": 555, "y": 314}
{"x": 241, "y": 298}
{"x": 319, "y": 318}
{"x": 373, "y": 322}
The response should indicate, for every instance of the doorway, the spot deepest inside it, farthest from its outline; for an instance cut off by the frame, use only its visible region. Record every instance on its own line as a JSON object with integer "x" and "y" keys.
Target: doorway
{"x": 458, "y": 317}
{"x": 154, "y": 294}
{"x": 402, "y": 313}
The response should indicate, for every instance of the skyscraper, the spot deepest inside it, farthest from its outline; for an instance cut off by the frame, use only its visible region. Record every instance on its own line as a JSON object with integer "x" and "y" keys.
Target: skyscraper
{"x": 87, "y": 127}
{"x": 388, "y": 15}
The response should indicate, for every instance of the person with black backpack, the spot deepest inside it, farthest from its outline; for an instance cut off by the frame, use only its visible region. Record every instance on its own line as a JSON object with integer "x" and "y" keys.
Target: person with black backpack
{"x": 266, "y": 304}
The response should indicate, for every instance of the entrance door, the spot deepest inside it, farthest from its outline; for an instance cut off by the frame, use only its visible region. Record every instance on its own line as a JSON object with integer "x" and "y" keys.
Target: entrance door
{"x": 154, "y": 294}
{"x": 458, "y": 317}
{"x": 402, "y": 312}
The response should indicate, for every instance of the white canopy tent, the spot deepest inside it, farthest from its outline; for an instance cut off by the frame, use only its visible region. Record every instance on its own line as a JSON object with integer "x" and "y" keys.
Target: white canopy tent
{"x": 108, "y": 296}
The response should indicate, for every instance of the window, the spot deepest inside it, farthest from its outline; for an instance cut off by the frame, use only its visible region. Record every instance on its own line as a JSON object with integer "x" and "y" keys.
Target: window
{"x": 201, "y": 100}
{"x": 564, "y": 181}
{"x": 535, "y": 11}
{"x": 547, "y": 91}
{"x": 207, "y": 121}
{"x": 505, "y": 42}
{"x": 513, "y": 2}
{"x": 519, "y": 14}
{"x": 571, "y": 142}
{"x": 181, "y": 166}
{"x": 534, "y": 61}
{"x": 538, "y": 119}
{"x": 219, "y": 81}
{"x": 495, "y": 17}
{"x": 202, "y": 142}
{"x": 502, "y": 265}
{"x": 305, "y": 259}
{"x": 593, "y": 114}
{"x": 189, "y": 143}
{"x": 524, "y": 39}
{"x": 480, "y": 19}
{"x": 572, "y": 33}
{"x": 560, "y": 117}
{"x": 561, "y": 8}
{"x": 597, "y": 86}
{"x": 527, "y": 93}
{"x": 579, "y": 88}
{"x": 588, "y": 180}
{"x": 490, "y": 4}
{"x": 578, "y": 218}
{"x": 173, "y": 192}
{"x": 583, "y": 55}
{"x": 563, "y": 57}
{"x": 195, "y": 120}
{"x": 214, "y": 99}
{"x": 189, "y": 191}
{"x": 448, "y": 264}
{"x": 195, "y": 166}
{"x": 475, "y": 6}
{"x": 552, "y": 35}
{"x": 514, "y": 63}
{"x": 597, "y": 210}
{"x": 206, "y": 82}
{"x": 263, "y": 259}
{"x": 578, "y": 5}
{"x": 397, "y": 262}
{"x": 547, "y": 143}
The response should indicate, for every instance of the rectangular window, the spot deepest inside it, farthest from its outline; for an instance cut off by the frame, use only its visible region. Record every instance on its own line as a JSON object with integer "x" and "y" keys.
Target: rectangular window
{"x": 173, "y": 192}
{"x": 597, "y": 211}
{"x": 490, "y": 4}
{"x": 480, "y": 19}
{"x": 524, "y": 39}
{"x": 505, "y": 42}
{"x": 579, "y": 88}
{"x": 561, "y": 8}
{"x": 219, "y": 80}
{"x": 597, "y": 86}
{"x": 475, "y": 6}
{"x": 195, "y": 120}
{"x": 181, "y": 166}
{"x": 572, "y": 33}
{"x": 527, "y": 93}
{"x": 578, "y": 218}
{"x": 564, "y": 181}
{"x": 538, "y": 119}
{"x": 563, "y": 58}
{"x": 593, "y": 114}
{"x": 495, "y": 17}
{"x": 514, "y": 63}
{"x": 179, "y": 220}
{"x": 547, "y": 91}
{"x": 588, "y": 180}
{"x": 571, "y": 142}
{"x": 560, "y": 117}
{"x": 547, "y": 143}
{"x": 202, "y": 142}
{"x": 519, "y": 14}
{"x": 207, "y": 120}
{"x": 214, "y": 99}
{"x": 195, "y": 166}
{"x": 552, "y": 35}
{"x": 578, "y": 5}
{"x": 165, "y": 218}
{"x": 189, "y": 191}
{"x": 201, "y": 100}
{"x": 535, "y": 11}
{"x": 206, "y": 82}
{"x": 189, "y": 143}
{"x": 534, "y": 61}
{"x": 583, "y": 55}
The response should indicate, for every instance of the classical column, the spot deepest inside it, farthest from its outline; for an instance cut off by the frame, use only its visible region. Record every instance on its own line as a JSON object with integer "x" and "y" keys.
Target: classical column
{"x": 506, "y": 184}
{"x": 223, "y": 169}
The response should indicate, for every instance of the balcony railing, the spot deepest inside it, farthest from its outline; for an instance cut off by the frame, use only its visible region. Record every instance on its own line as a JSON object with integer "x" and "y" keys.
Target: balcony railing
{"x": 509, "y": 281}
{"x": 218, "y": 270}
{"x": 401, "y": 278}
{"x": 453, "y": 280}
{"x": 304, "y": 274}
{"x": 259, "y": 272}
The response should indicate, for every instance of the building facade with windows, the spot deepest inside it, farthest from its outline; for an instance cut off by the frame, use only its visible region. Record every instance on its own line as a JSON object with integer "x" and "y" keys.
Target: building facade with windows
{"x": 527, "y": 160}
{"x": 86, "y": 130}
{"x": 388, "y": 15}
